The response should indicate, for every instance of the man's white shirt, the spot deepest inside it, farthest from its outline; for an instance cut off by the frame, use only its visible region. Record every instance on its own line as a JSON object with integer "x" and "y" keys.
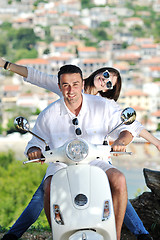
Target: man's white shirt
{"x": 96, "y": 118}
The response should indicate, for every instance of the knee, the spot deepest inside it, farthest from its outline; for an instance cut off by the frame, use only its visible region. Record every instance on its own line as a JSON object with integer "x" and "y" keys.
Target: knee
{"x": 118, "y": 182}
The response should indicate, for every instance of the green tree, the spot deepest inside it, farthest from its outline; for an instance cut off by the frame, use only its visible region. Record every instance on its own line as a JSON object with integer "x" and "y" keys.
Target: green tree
{"x": 17, "y": 111}
{"x": 156, "y": 30}
{"x": 89, "y": 42}
{"x": 124, "y": 45}
{"x": 100, "y": 34}
{"x": 105, "y": 24}
{"x": 17, "y": 189}
{"x": 10, "y": 126}
{"x": 39, "y": 1}
{"x": 3, "y": 48}
{"x": 87, "y": 4}
{"x": 6, "y": 159}
{"x": 12, "y": 35}
{"x": 25, "y": 38}
{"x": 37, "y": 112}
{"x": 25, "y": 53}
{"x": 1, "y": 128}
{"x": 137, "y": 31}
{"x": 48, "y": 37}
{"x": 6, "y": 26}
{"x": 46, "y": 51}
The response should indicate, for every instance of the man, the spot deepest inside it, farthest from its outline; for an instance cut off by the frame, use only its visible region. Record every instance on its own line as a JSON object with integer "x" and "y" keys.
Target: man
{"x": 96, "y": 117}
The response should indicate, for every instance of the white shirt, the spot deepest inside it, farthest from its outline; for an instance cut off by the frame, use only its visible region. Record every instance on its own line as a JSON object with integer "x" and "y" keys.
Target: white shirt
{"x": 50, "y": 82}
{"x": 96, "y": 117}
{"x": 43, "y": 80}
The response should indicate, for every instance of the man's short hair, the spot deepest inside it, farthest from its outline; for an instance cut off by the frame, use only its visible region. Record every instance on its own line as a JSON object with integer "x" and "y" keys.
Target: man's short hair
{"x": 69, "y": 68}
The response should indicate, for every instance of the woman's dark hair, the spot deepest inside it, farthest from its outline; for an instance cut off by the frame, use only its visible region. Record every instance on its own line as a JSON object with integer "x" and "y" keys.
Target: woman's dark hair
{"x": 110, "y": 93}
{"x": 69, "y": 68}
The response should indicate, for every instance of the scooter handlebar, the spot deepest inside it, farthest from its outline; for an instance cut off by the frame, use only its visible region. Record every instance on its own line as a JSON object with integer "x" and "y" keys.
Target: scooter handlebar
{"x": 59, "y": 155}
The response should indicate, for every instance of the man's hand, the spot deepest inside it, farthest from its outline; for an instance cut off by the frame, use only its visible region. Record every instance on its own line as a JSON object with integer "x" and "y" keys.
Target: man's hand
{"x": 120, "y": 143}
{"x": 118, "y": 146}
{"x": 34, "y": 153}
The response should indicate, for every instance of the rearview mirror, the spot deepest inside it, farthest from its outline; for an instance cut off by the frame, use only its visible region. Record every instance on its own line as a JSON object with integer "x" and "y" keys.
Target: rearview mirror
{"x": 21, "y": 124}
{"x": 128, "y": 116}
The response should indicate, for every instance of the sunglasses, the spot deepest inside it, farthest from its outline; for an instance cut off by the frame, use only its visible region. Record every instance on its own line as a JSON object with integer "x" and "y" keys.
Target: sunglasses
{"x": 106, "y": 75}
{"x": 75, "y": 123}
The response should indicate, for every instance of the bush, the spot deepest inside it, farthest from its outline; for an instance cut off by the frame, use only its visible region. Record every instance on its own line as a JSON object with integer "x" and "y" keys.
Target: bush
{"x": 18, "y": 183}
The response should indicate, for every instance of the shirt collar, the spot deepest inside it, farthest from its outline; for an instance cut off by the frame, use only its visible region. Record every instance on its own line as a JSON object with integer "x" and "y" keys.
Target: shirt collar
{"x": 64, "y": 110}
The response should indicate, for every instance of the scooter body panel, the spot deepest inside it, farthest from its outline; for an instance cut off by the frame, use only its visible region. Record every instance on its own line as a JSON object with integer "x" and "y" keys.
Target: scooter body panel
{"x": 89, "y": 181}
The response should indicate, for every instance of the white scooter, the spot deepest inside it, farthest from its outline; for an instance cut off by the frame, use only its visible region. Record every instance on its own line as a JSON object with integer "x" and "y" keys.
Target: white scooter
{"x": 81, "y": 202}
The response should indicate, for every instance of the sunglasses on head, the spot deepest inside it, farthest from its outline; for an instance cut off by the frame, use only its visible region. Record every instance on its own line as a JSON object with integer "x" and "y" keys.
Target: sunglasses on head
{"x": 106, "y": 75}
{"x": 75, "y": 123}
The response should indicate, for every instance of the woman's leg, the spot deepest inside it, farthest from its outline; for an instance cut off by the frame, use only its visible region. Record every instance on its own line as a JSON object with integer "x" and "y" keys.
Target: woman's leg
{"x": 133, "y": 222}
{"x": 29, "y": 215}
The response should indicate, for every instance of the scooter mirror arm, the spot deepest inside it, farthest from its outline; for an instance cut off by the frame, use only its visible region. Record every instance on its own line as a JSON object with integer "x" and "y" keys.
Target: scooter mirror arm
{"x": 128, "y": 116}
{"x": 37, "y": 136}
{"x": 105, "y": 142}
{"x": 22, "y": 124}
{"x": 47, "y": 146}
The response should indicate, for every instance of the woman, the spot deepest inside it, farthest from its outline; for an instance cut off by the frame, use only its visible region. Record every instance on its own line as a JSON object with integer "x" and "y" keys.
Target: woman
{"x": 94, "y": 84}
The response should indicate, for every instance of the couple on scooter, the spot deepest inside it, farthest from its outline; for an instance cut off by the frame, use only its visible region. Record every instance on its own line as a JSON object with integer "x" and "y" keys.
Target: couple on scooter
{"x": 94, "y": 114}
{"x": 144, "y": 238}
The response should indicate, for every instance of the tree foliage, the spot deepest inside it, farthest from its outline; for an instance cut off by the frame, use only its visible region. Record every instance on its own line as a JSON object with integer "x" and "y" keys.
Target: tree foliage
{"x": 3, "y": 48}
{"x": 87, "y": 4}
{"x": 17, "y": 185}
{"x": 18, "y": 111}
{"x": 25, "y": 53}
{"x": 100, "y": 34}
{"x": 25, "y": 38}
{"x": 16, "y": 44}
{"x": 105, "y": 24}
{"x": 39, "y": 1}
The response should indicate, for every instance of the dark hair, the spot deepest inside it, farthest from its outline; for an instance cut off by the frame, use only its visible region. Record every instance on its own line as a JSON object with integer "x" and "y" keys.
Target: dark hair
{"x": 110, "y": 93}
{"x": 69, "y": 69}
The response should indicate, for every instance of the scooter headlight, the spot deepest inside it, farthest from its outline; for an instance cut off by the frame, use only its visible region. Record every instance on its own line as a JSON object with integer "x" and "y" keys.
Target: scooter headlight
{"x": 77, "y": 150}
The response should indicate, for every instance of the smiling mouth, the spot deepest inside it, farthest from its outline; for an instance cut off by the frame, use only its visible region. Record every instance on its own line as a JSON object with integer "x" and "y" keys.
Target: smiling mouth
{"x": 71, "y": 96}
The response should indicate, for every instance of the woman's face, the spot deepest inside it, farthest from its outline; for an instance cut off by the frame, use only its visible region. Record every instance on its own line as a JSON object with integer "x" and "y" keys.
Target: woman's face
{"x": 100, "y": 81}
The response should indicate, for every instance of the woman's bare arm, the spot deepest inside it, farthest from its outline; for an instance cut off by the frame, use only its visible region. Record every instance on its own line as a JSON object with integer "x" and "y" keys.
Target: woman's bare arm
{"x": 19, "y": 69}
{"x": 150, "y": 138}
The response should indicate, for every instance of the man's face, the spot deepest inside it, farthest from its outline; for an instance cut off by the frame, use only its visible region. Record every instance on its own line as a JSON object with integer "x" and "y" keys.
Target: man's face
{"x": 71, "y": 85}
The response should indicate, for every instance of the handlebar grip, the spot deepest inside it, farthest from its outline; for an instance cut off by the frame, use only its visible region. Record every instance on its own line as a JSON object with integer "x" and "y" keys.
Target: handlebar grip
{"x": 34, "y": 160}
{"x": 130, "y": 153}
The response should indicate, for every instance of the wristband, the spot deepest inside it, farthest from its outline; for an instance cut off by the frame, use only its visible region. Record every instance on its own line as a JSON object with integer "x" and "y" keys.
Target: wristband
{"x": 6, "y": 64}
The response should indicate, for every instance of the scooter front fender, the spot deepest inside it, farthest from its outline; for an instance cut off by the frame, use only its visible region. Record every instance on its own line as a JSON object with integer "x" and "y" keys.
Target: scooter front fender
{"x": 91, "y": 182}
